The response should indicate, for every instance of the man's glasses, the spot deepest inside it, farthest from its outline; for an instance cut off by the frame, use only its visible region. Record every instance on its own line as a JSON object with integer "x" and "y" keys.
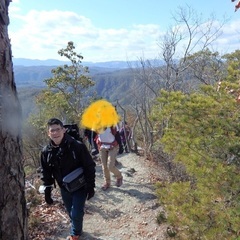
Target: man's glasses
{"x": 55, "y": 130}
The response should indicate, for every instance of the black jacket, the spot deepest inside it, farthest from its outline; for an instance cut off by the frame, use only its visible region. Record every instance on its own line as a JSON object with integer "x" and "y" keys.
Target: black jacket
{"x": 57, "y": 162}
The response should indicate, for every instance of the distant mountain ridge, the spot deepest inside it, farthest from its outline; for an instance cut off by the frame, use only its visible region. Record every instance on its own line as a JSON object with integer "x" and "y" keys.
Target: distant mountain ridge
{"x": 53, "y": 62}
{"x": 32, "y": 72}
{"x": 113, "y": 80}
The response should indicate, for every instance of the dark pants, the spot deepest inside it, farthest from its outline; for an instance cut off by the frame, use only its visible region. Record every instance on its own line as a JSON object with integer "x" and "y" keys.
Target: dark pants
{"x": 74, "y": 204}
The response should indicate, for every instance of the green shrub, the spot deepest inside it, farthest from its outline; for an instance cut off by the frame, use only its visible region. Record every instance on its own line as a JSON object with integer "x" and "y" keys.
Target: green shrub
{"x": 202, "y": 133}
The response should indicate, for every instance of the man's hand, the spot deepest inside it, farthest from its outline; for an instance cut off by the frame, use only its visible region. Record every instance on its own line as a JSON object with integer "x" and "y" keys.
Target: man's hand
{"x": 47, "y": 193}
{"x": 90, "y": 193}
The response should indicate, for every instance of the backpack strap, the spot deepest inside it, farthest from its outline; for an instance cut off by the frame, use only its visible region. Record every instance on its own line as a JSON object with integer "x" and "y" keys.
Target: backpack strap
{"x": 117, "y": 136}
{"x": 113, "y": 131}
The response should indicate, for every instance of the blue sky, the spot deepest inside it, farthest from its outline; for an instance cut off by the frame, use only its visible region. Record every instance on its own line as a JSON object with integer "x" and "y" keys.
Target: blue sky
{"x": 108, "y": 30}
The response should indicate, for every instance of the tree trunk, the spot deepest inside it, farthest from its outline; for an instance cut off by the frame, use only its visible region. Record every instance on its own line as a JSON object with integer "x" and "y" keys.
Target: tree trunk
{"x": 13, "y": 213}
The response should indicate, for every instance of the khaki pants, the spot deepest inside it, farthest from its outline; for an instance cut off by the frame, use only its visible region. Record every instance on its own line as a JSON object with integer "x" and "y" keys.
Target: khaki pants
{"x": 108, "y": 158}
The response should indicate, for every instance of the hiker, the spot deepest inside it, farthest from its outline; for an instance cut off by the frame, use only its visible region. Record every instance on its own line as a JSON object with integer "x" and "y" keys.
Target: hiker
{"x": 108, "y": 150}
{"x": 90, "y": 136}
{"x": 118, "y": 138}
{"x": 125, "y": 134}
{"x": 60, "y": 158}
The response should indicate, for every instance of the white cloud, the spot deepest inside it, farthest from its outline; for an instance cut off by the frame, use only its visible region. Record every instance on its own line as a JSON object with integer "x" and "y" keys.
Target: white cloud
{"x": 40, "y": 34}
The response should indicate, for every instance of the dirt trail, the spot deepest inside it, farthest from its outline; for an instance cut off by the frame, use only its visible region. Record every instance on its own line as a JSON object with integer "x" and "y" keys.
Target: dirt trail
{"x": 124, "y": 213}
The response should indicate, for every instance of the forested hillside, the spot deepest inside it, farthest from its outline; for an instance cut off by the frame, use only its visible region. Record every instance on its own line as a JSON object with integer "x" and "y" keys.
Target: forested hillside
{"x": 110, "y": 83}
{"x": 33, "y": 76}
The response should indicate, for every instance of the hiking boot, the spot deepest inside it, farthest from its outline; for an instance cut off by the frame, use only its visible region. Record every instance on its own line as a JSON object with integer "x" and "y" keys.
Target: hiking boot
{"x": 119, "y": 182}
{"x": 105, "y": 186}
{"x": 73, "y": 237}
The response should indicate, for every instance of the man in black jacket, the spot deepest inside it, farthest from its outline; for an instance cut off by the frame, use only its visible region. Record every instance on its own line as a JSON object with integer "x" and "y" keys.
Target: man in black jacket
{"x": 60, "y": 157}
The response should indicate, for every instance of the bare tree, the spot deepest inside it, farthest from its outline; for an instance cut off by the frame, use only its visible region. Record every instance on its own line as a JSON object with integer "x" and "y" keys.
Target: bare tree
{"x": 205, "y": 67}
{"x": 190, "y": 34}
{"x": 143, "y": 92}
{"x": 13, "y": 214}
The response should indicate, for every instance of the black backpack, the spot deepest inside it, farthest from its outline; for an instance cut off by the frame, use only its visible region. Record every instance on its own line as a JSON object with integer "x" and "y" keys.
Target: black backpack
{"x": 73, "y": 131}
{"x": 118, "y": 139}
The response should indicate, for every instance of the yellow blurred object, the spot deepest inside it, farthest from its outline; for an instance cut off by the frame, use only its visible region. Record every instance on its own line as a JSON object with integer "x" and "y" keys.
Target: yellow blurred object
{"x": 99, "y": 115}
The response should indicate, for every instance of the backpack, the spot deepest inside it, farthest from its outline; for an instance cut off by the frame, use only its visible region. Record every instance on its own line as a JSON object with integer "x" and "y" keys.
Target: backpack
{"x": 73, "y": 131}
{"x": 116, "y": 133}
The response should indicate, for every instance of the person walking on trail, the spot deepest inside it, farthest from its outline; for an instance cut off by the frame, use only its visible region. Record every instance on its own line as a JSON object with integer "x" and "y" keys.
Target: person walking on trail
{"x": 108, "y": 150}
{"x": 125, "y": 134}
{"x": 59, "y": 158}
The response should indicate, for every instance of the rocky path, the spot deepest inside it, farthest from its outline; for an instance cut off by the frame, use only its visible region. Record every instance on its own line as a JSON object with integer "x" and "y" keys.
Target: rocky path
{"x": 124, "y": 213}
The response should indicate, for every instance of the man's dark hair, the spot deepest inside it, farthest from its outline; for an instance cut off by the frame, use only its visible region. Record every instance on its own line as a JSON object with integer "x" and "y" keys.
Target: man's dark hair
{"x": 53, "y": 121}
